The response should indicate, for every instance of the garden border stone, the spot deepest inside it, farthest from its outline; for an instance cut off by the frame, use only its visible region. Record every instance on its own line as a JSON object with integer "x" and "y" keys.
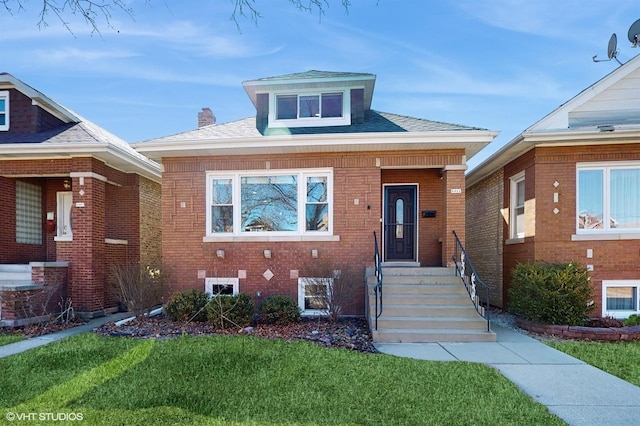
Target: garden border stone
{"x": 601, "y": 334}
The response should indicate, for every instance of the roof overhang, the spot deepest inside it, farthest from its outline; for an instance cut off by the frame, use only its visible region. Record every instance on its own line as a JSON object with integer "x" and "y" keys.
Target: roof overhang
{"x": 7, "y": 81}
{"x": 108, "y": 154}
{"x": 471, "y": 141}
{"x": 366, "y": 81}
{"x": 526, "y": 141}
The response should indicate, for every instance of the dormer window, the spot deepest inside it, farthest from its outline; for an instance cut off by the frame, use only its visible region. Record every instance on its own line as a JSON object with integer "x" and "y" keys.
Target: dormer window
{"x": 310, "y": 109}
{"x": 4, "y": 110}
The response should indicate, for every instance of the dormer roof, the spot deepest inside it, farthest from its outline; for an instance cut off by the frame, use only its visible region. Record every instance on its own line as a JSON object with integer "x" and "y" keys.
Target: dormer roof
{"x": 312, "y": 79}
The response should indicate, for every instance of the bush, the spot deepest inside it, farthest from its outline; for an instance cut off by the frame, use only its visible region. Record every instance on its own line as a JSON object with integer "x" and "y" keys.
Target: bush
{"x": 230, "y": 311}
{"x": 138, "y": 287}
{"x": 551, "y": 293}
{"x": 186, "y": 306}
{"x": 280, "y": 310}
{"x": 633, "y": 319}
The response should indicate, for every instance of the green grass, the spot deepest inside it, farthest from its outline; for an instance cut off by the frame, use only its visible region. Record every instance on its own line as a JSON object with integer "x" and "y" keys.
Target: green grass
{"x": 5, "y": 339}
{"x": 247, "y": 380}
{"x": 620, "y": 359}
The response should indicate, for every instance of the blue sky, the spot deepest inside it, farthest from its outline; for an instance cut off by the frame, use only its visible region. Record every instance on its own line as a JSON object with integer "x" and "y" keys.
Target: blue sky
{"x": 496, "y": 64}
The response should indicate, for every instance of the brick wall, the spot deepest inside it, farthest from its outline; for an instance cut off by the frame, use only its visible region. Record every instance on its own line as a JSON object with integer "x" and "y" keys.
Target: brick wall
{"x": 484, "y": 230}
{"x": 357, "y": 176}
{"x": 150, "y": 222}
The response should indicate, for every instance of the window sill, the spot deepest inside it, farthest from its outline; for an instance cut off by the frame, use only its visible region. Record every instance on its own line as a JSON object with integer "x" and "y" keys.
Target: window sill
{"x": 606, "y": 237}
{"x": 266, "y": 238}
{"x": 511, "y": 241}
{"x": 62, "y": 238}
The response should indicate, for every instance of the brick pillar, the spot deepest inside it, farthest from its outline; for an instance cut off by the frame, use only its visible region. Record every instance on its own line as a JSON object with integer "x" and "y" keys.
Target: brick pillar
{"x": 88, "y": 275}
{"x": 454, "y": 210}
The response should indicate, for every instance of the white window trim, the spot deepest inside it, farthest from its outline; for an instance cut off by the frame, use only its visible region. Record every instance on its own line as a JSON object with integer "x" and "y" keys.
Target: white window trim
{"x": 605, "y": 233}
{"x": 4, "y": 94}
{"x": 302, "y": 283}
{"x": 513, "y": 199}
{"x": 345, "y": 120}
{"x": 300, "y": 235}
{"x": 620, "y": 314}
{"x": 209, "y": 282}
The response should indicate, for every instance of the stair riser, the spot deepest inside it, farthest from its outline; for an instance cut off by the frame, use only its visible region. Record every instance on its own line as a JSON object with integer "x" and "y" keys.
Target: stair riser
{"x": 405, "y": 272}
{"x": 409, "y": 337}
{"x": 425, "y": 324}
{"x": 429, "y": 311}
{"x": 422, "y": 300}
{"x": 15, "y": 276}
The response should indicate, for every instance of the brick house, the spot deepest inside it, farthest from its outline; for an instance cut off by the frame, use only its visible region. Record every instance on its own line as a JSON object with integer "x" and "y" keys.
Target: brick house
{"x": 567, "y": 189}
{"x": 74, "y": 199}
{"x": 252, "y": 205}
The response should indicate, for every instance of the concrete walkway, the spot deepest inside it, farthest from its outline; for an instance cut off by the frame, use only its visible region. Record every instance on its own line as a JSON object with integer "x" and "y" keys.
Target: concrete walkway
{"x": 34, "y": 342}
{"x": 574, "y": 391}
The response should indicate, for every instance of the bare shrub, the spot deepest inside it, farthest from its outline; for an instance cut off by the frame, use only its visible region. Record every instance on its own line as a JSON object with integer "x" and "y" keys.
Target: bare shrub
{"x": 138, "y": 287}
{"x": 331, "y": 287}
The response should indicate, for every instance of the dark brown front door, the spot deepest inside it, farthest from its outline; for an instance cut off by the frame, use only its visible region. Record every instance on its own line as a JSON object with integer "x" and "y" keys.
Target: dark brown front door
{"x": 400, "y": 223}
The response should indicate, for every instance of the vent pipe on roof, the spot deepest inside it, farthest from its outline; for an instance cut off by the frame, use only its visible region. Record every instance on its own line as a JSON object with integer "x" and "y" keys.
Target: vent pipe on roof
{"x": 206, "y": 118}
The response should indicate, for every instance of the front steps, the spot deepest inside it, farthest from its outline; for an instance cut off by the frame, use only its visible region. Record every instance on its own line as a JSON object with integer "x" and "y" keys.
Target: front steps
{"x": 423, "y": 305}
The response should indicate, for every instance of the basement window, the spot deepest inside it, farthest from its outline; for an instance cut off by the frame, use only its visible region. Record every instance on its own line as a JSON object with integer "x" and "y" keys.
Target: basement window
{"x": 620, "y": 298}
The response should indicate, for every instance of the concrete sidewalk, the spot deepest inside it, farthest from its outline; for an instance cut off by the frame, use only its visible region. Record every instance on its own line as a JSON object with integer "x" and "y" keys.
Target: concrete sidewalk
{"x": 34, "y": 342}
{"x": 574, "y": 391}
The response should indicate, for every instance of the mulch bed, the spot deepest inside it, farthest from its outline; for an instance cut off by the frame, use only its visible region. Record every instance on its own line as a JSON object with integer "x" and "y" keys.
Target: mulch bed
{"x": 347, "y": 333}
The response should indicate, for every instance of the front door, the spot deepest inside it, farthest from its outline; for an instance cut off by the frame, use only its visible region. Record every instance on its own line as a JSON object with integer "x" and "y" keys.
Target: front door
{"x": 400, "y": 211}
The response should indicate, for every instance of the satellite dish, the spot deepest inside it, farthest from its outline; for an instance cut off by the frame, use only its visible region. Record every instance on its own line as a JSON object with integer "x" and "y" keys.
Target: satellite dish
{"x": 634, "y": 34}
{"x": 612, "y": 50}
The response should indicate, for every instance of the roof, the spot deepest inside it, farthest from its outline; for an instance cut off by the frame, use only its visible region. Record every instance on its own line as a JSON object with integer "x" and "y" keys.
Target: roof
{"x": 607, "y": 112}
{"x": 379, "y": 131}
{"x": 310, "y": 80}
{"x": 77, "y": 137}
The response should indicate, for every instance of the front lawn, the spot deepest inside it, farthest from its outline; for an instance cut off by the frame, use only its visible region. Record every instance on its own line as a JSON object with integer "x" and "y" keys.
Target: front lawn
{"x": 620, "y": 359}
{"x": 249, "y": 380}
{"x": 5, "y": 339}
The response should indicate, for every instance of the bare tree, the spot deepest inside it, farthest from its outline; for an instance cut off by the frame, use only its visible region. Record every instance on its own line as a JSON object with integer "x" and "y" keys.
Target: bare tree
{"x": 98, "y": 13}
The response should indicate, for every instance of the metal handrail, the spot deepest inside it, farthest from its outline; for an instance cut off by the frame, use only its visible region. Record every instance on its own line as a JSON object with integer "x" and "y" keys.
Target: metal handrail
{"x": 470, "y": 279}
{"x": 377, "y": 289}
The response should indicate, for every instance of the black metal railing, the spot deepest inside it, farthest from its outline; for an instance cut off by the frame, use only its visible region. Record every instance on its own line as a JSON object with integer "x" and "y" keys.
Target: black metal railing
{"x": 377, "y": 289}
{"x": 471, "y": 281}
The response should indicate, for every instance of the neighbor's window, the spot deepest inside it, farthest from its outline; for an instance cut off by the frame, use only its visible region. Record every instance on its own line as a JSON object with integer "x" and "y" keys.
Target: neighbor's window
{"x": 607, "y": 198}
{"x": 4, "y": 110}
{"x": 221, "y": 286}
{"x": 313, "y": 295}
{"x": 28, "y": 213}
{"x": 517, "y": 206}
{"x": 620, "y": 298}
{"x": 279, "y": 202}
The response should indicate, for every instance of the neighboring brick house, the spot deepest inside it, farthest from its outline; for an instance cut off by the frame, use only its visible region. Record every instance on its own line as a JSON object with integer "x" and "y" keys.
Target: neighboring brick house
{"x": 567, "y": 189}
{"x": 74, "y": 199}
{"x": 254, "y": 204}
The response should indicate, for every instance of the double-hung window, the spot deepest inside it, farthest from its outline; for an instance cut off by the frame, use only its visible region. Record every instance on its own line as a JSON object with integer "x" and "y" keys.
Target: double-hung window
{"x": 517, "y": 200}
{"x": 285, "y": 202}
{"x": 4, "y": 110}
{"x": 608, "y": 198}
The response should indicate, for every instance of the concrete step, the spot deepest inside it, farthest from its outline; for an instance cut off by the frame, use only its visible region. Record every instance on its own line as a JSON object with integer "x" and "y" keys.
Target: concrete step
{"x": 431, "y": 323}
{"x": 424, "y": 289}
{"x": 7, "y": 267}
{"x": 402, "y": 310}
{"x": 429, "y": 300}
{"x": 427, "y": 271}
{"x": 432, "y": 336}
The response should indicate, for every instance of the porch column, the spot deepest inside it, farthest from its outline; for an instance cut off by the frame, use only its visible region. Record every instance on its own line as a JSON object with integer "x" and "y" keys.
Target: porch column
{"x": 454, "y": 210}
{"x": 87, "y": 272}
